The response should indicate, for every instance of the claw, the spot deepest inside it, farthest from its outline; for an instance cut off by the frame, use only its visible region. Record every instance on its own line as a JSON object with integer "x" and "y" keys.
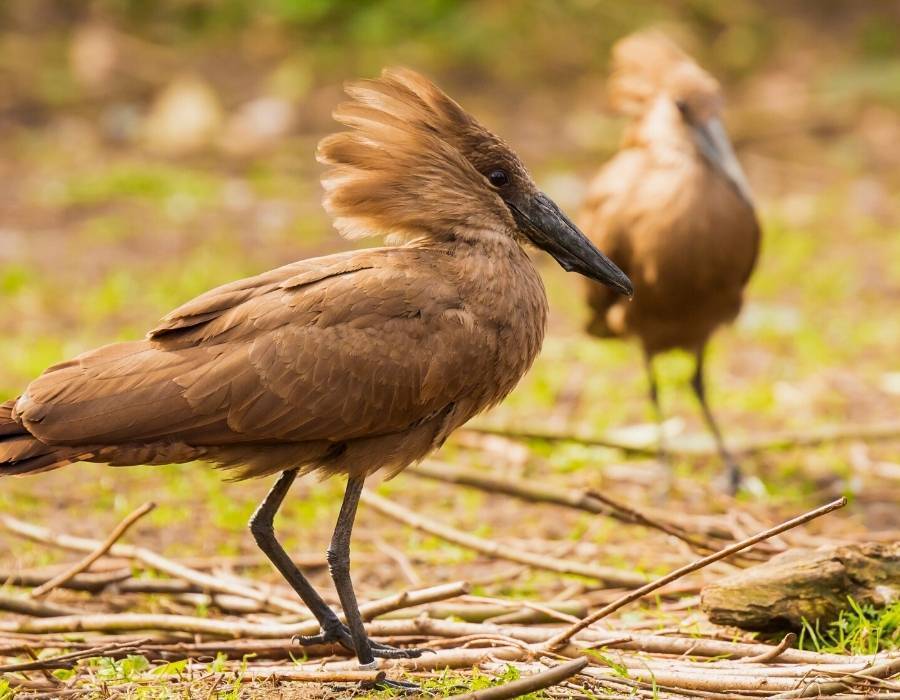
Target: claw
{"x": 404, "y": 687}
{"x": 341, "y": 635}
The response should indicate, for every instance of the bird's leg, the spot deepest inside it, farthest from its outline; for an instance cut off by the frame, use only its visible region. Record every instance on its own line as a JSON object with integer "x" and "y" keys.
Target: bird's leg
{"x": 339, "y": 564}
{"x": 733, "y": 470}
{"x": 661, "y": 452}
{"x": 261, "y": 525}
{"x": 333, "y": 630}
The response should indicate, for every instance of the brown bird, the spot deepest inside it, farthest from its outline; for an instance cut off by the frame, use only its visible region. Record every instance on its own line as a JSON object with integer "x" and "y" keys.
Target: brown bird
{"x": 348, "y": 363}
{"x": 674, "y": 211}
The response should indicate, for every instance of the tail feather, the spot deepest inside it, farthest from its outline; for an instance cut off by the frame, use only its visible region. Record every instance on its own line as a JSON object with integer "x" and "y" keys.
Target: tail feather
{"x": 20, "y": 452}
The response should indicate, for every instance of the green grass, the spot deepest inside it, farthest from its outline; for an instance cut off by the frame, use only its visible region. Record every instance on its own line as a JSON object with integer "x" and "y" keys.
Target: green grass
{"x": 862, "y": 629}
{"x": 457, "y": 682}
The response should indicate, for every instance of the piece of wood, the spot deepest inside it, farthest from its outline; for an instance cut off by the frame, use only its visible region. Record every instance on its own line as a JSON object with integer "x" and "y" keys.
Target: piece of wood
{"x": 805, "y": 584}
{"x": 559, "y": 640}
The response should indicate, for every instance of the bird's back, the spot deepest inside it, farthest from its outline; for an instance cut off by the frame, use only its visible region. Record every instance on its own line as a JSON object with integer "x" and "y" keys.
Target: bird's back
{"x": 350, "y": 362}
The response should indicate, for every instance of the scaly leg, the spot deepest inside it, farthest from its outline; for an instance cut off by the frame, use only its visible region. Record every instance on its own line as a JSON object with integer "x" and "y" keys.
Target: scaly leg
{"x": 661, "y": 452}
{"x": 333, "y": 630}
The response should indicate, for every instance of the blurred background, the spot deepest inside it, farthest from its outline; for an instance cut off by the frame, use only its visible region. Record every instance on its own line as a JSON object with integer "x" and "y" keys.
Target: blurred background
{"x": 152, "y": 150}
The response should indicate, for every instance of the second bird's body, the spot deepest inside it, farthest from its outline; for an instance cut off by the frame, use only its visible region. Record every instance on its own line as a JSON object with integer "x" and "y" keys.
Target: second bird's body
{"x": 674, "y": 211}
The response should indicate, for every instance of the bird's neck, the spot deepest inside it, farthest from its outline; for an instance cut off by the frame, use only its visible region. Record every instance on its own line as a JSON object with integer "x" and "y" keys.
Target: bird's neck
{"x": 494, "y": 271}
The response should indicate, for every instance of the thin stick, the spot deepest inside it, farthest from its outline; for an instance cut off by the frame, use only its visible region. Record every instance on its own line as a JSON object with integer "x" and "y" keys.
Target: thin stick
{"x": 130, "y": 622}
{"x": 85, "y": 563}
{"x": 529, "y": 684}
{"x": 33, "y": 608}
{"x": 563, "y": 637}
{"x": 64, "y": 660}
{"x": 608, "y": 575}
{"x": 817, "y": 688}
{"x": 546, "y": 493}
{"x": 772, "y": 653}
{"x": 151, "y": 559}
{"x": 688, "y": 445}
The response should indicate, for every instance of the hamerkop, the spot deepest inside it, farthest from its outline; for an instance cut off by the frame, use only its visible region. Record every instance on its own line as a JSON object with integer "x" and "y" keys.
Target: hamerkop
{"x": 674, "y": 211}
{"x": 348, "y": 363}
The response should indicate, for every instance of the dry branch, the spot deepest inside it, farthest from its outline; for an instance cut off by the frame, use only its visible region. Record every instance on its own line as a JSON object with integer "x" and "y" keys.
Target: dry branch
{"x": 529, "y": 684}
{"x": 151, "y": 559}
{"x": 33, "y": 608}
{"x": 562, "y": 638}
{"x": 773, "y": 653}
{"x": 701, "y": 445}
{"x": 104, "y": 547}
{"x": 92, "y": 582}
{"x": 608, "y": 575}
{"x": 65, "y": 660}
{"x": 817, "y": 688}
{"x": 132, "y": 622}
{"x": 648, "y": 643}
{"x": 546, "y": 493}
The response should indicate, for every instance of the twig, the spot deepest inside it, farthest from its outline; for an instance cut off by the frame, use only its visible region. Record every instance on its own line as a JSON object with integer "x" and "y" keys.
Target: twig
{"x": 817, "y": 688}
{"x": 647, "y": 643}
{"x": 546, "y": 493}
{"x": 608, "y": 575}
{"x": 130, "y": 622}
{"x": 33, "y": 608}
{"x": 153, "y": 560}
{"x": 562, "y": 638}
{"x": 86, "y": 562}
{"x": 401, "y": 560}
{"x": 772, "y": 653}
{"x": 289, "y": 673}
{"x": 528, "y": 684}
{"x": 65, "y": 660}
{"x": 697, "y": 445}
{"x": 92, "y": 582}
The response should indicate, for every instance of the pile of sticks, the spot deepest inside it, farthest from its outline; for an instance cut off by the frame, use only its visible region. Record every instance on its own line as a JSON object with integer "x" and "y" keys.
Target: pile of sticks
{"x": 555, "y": 644}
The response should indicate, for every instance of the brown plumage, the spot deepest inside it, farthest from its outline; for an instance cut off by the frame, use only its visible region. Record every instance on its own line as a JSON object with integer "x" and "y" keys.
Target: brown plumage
{"x": 673, "y": 210}
{"x": 347, "y": 363}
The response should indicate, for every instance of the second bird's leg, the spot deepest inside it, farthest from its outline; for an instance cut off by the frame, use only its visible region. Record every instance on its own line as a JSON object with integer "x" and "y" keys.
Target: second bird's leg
{"x": 733, "y": 470}
{"x": 339, "y": 564}
{"x": 661, "y": 451}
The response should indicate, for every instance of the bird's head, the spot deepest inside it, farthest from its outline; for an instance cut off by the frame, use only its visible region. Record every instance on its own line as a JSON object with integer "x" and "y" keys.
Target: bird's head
{"x": 415, "y": 164}
{"x": 670, "y": 97}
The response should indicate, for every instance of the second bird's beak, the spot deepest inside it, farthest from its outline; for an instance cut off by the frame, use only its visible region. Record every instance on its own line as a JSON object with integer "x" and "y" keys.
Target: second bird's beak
{"x": 716, "y": 148}
{"x": 551, "y": 230}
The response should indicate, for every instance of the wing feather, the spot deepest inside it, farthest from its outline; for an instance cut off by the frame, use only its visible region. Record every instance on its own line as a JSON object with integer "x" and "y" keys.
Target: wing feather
{"x": 357, "y": 346}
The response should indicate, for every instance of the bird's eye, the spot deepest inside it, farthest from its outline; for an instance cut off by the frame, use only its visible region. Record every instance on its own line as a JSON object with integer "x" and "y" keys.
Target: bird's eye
{"x": 498, "y": 178}
{"x": 682, "y": 107}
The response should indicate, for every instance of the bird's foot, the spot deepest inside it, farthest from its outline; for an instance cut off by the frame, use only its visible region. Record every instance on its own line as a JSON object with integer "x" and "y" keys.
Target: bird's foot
{"x": 399, "y": 687}
{"x": 340, "y": 634}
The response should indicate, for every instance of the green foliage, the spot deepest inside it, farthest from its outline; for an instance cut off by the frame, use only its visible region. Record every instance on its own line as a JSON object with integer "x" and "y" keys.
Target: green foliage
{"x": 148, "y": 181}
{"x": 863, "y": 629}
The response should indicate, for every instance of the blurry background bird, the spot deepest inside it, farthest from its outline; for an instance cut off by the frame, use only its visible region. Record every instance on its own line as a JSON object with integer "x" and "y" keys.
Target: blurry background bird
{"x": 348, "y": 363}
{"x": 674, "y": 210}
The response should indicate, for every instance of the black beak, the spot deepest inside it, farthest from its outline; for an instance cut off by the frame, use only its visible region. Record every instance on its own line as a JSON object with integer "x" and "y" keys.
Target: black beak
{"x": 551, "y": 230}
{"x": 713, "y": 143}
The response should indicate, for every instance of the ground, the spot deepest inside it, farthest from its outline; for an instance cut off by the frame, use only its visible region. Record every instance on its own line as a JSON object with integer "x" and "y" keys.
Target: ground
{"x": 100, "y": 237}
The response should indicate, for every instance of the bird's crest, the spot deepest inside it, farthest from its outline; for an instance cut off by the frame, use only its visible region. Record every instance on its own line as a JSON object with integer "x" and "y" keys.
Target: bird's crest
{"x": 649, "y": 63}
{"x": 412, "y": 163}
